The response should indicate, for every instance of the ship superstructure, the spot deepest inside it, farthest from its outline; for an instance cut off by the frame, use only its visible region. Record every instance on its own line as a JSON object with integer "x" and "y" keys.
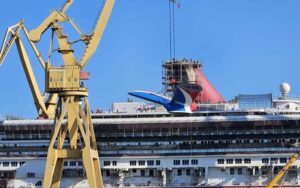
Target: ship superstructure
{"x": 202, "y": 142}
{"x": 227, "y": 146}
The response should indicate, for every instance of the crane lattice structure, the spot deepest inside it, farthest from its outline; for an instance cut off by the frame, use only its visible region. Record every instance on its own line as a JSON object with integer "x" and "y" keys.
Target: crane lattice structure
{"x": 64, "y": 99}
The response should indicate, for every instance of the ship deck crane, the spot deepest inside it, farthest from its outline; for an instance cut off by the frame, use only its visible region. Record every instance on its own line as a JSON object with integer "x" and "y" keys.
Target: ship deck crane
{"x": 280, "y": 177}
{"x": 73, "y": 134}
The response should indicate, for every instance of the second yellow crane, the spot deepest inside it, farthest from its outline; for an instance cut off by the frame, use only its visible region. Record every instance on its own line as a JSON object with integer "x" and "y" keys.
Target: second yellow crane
{"x": 281, "y": 175}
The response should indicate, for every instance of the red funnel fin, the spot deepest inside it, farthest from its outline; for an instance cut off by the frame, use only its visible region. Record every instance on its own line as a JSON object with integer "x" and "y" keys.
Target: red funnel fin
{"x": 209, "y": 93}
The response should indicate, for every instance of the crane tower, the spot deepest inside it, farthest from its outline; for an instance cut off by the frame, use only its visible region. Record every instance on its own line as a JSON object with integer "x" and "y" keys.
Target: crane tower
{"x": 65, "y": 99}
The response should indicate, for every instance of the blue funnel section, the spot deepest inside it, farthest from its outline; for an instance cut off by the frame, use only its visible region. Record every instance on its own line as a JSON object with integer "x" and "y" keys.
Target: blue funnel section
{"x": 179, "y": 97}
{"x": 151, "y": 96}
{"x": 180, "y": 103}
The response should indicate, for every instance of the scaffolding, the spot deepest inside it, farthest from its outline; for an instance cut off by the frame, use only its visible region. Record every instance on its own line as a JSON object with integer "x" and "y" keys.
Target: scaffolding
{"x": 178, "y": 72}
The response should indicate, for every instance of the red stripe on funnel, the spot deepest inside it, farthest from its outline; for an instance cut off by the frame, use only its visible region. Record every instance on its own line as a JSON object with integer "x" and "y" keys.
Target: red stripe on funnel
{"x": 209, "y": 93}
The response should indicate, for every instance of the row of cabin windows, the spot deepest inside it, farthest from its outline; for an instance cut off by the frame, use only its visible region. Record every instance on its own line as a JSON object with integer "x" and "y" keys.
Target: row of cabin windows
{"x": 143, "y": 163}
{"x": 248, "y": 160}
{"x": 12, "y": 163}
{"x": 142, "y": 172}
{"x": 246, "y": 141}
{"x": 72, "y": 163}
{"x": 274, "y": 160}
{"x": 185, "y": 162}
{"x": 237, "y": 161}
{"x": 31, "y": 175}
{"x": 256, "y": 141}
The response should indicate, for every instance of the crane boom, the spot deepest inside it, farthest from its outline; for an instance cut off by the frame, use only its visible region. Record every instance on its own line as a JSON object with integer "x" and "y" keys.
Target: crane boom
{"x": 91, "y": 41}
{"x": 7, "y": 45}
{"x": 98, "y": 32}
{"x": 283, "y": 171}
{"x": 67, "y": 5}
{"x": 35, "y": 35}
{"x": 44, "y": 109}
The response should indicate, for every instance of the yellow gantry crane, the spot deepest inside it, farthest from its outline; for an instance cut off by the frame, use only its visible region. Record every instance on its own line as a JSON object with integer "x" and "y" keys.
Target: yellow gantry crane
{"x": 65, "y": 99}
{"x": 280, "y": 177}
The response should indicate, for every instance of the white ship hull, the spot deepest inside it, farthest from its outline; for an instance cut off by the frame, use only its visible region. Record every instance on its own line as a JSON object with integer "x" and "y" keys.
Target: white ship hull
{"x": 206, "y": 172}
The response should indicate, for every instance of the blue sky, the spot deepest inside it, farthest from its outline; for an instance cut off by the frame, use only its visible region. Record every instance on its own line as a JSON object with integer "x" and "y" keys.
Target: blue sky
{"x": 247, "y": 46}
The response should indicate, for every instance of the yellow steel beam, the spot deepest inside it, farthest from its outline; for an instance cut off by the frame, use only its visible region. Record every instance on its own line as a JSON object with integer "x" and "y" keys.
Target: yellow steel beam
{"x": 55, "y": 16}
{"x": 98, "y": 32}
{"x": 67, "y": 5}
{"x": 36, "y": 52}
{"x": 283, "y": 171}
{"x": 11, "y": 36}
{"x": 38, "y": 98}
{"x": 13, "y": 32}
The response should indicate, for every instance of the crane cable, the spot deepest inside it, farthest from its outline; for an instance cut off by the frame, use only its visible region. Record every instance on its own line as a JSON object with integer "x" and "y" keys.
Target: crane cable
{"x": 174, "y": 46}
{"x": 172, "y": 29}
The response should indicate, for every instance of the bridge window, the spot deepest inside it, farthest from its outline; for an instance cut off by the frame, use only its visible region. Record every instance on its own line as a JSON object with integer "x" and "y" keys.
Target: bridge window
{"x": 151, "y": 173}
{"x": 150, "y": 163}
{"x": 229, "y": 161}
{"x": 5, "y": 163}
{"x": 231, "y": 171}
{"x": 283, "y": 160}
{"x": 179, "y": 172}
{"x": 240, "y": 171}
{"x": 194, "y": 162}
{"x": 72, "y": 163}
{"x": 265, "y": 160}
{"x": 274, "y": 160}
{"x": 14, "y": 163}
{"x": 157, "y": 162}
{"x": 247, "y": 161}
{"x": 188, "y": 172}
{"x": 220, "y": 161}
{"x": 106, "y": 163}
{"x": 142, "y": 163}
{"x": 65, "y": 163}
{"x": 238, "y": 161}
{"x": 176, "y": 162}
{"x": 132, "y": 163}
{"x": 107, "y": 173}
{"x": 30, "y": 174}
{"x": 185, "y": 162}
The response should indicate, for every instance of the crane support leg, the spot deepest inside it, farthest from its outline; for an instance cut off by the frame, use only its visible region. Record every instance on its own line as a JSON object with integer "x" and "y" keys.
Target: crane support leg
{"x": 78, "y": 126}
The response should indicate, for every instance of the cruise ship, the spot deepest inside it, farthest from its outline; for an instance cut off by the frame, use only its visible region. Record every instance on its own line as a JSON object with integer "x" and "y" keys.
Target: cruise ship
{"x": 241, "y": 143}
